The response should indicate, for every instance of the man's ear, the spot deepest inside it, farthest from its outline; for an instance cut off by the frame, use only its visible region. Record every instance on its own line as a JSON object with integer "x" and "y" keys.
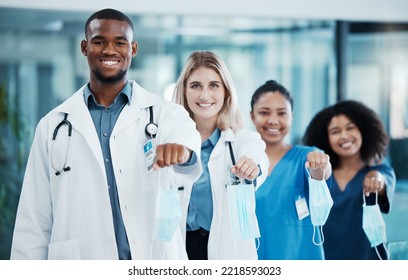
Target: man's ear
{"x": 84, "y": 45}
{"x": 134, "y": 48}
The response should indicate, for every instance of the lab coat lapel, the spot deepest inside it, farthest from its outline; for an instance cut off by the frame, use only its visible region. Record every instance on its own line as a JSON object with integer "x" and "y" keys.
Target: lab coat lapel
{"x": 132, "y": 112}
{"x": 219, "y": 149}
{"x": 219, "y": 161}
{"x": 81, "y": 120}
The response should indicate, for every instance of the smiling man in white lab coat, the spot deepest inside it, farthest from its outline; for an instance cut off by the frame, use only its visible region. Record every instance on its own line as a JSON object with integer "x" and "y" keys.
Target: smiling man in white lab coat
{"x": 97, "y": 162}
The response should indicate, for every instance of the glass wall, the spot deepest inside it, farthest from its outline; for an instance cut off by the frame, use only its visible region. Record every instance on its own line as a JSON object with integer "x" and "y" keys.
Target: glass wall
{"x": 378, "y": 76}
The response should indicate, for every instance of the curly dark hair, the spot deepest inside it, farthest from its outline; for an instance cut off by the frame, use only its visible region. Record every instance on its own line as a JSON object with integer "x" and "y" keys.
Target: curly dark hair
{"x": 375, "y": 139}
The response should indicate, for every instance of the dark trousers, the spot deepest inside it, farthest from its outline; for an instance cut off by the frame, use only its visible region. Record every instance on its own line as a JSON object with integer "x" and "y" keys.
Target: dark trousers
{"x": 196, "y": 244}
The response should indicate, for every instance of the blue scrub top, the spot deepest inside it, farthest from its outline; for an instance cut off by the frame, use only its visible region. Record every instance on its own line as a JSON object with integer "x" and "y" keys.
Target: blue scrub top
{"x": 345, "y": 238}
{"x": 283, "y": 235}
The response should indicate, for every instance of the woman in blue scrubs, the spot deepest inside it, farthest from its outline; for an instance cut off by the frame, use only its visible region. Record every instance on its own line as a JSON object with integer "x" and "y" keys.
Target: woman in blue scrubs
{"x": 282, "y": 202}
{"x": 355, "y": 139}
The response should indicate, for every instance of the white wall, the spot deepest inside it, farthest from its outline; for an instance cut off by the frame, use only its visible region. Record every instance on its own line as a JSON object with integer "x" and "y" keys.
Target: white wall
{"x": 369, "y": 10}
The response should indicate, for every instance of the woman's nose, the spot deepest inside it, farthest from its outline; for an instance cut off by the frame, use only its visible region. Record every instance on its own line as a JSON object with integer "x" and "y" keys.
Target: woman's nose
{"x": 343, "y": 134}
{"x": 272, "y": 120}
{"x": 204, "y": 93}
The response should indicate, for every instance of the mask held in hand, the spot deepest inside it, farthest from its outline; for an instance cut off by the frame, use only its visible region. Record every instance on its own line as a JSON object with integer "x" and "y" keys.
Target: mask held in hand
{"x": 374, "y": 225}
{"x": 241, "y": 201}
{"x": 320, "y": 204}
{"x": 168, "y": 214}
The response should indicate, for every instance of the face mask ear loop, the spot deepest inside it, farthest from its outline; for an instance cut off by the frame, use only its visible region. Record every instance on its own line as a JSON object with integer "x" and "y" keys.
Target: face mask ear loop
{"x": 322, "y": 235}
{"x": 258, "y": 242}
{"x": 320, "y": 230}
{"x": 387, "y": 254}
{"x": 376, "y": 249}
{"x": 308, "y": 173}
{"x": 378, "y": 253}
{"x": 385, "y": 248}
{"x": 376, "y": 198}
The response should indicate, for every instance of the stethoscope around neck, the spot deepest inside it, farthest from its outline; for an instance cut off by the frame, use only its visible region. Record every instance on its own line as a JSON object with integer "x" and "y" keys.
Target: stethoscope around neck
{"x": 64, "y": 168}
{"x": 150, "y": 130}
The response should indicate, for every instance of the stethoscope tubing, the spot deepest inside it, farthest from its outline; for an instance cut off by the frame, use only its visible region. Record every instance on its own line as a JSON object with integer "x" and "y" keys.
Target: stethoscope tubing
{"x": 54, "y": 136}
{"x": 150, "y": 130}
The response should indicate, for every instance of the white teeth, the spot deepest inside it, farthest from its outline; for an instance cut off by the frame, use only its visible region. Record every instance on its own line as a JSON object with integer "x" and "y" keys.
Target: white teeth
{"x": 204, "y": 104}
{"x": 109, "y": 62}
{"x": 273, "y": 130}
{"x": 346, "y": 145}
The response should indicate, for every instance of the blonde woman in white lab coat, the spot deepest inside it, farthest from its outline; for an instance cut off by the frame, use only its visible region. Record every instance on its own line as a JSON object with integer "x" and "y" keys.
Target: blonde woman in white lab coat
{"x": 206, "y": 90}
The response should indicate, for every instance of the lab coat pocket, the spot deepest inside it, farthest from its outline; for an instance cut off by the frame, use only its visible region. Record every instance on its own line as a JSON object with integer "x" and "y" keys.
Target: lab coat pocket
{"x": 65, "y": 250}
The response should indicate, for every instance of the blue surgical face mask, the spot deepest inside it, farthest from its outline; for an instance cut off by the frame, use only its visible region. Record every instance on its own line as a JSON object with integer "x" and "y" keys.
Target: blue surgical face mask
{"x": 168, "y": 214}
{"x": 373, "y": 224}
{"x": 320, "y": 204}
{"x": 241, "y": 201}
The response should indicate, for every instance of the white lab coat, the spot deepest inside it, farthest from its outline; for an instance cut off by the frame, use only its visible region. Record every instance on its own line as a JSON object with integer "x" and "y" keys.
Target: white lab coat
{"x": 220, "y": 243}
{"x": 69, "y": 216}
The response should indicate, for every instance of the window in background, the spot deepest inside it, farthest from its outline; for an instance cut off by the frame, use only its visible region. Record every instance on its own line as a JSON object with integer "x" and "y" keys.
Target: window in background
{"x": 378, "y": 76}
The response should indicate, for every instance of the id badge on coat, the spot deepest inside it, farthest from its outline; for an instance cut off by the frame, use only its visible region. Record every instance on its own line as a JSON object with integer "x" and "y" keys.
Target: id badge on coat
{"x": 149, "y": 150}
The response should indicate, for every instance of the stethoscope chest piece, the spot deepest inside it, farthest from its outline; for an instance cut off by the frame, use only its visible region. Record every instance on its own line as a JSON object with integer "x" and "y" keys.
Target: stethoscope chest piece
{"x": 151, "y": 128}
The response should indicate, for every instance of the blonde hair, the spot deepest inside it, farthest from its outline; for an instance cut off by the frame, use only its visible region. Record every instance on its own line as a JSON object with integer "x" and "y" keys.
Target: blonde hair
{"x": 230, "y": 115}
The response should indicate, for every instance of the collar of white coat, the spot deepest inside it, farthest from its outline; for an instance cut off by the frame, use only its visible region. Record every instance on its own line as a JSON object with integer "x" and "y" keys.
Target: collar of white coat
{"x": 79, "y": 116}
{"x": 140, "y": 98}
{"x": 227, "y": 135}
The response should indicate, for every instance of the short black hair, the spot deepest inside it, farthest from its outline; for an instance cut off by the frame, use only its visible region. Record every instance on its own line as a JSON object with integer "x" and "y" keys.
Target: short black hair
{"x": 375, "y": 139}
{"x": 271, "y": 86}
{"x": 108, "y": 14}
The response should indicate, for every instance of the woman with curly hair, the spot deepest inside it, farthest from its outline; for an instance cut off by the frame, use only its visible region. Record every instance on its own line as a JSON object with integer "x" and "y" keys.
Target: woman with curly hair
{"x": 355, "y": 139}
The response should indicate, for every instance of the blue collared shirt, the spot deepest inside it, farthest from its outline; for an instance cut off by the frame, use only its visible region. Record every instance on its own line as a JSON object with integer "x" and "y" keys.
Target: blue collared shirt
{"x": 104, "y": 120}
{"x": 200, "y": 209}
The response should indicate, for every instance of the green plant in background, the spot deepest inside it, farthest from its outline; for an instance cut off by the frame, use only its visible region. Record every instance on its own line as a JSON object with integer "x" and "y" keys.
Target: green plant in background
{"x": 13, "y": 133}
